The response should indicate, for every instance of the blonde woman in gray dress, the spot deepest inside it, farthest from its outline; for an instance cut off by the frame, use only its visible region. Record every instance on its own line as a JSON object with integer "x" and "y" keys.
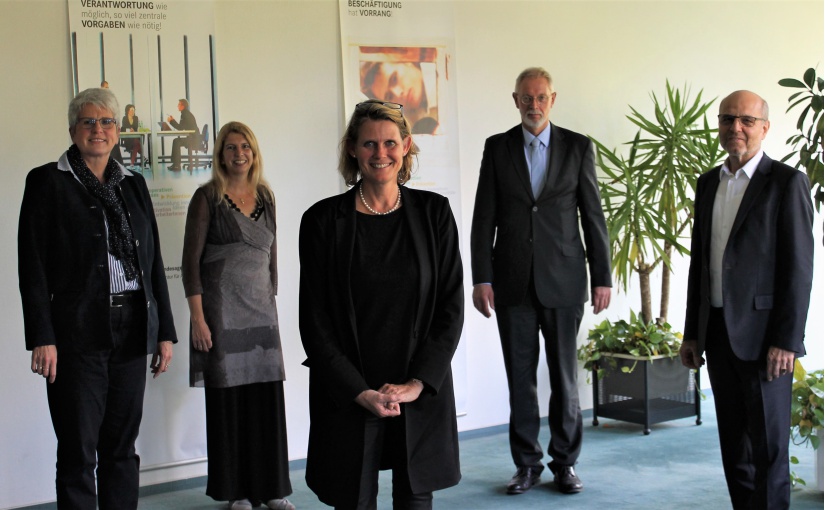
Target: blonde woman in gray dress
{"x": 230, "y": 278}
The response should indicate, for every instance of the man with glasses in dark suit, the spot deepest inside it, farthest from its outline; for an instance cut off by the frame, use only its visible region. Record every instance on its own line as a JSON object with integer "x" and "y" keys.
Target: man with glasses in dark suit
{"x": 749, "y": 286}
{"x": 536, "y": 188}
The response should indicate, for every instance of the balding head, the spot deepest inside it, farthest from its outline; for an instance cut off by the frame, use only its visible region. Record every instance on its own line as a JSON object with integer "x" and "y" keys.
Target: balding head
{"x": 743, "y": 124}
{"x": 749, "y": 96}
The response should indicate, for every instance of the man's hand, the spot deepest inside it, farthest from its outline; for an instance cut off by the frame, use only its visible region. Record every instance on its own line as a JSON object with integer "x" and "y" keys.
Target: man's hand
{"x": 379, "y": 404}
{"x": 689, "y": 353}
{"x": 483, "y": 298}
{"x": 162, "y": 358}
{"x": 601, "y": 298}
{"x": 44, "y": 361}
{"x": 780, "y": 362}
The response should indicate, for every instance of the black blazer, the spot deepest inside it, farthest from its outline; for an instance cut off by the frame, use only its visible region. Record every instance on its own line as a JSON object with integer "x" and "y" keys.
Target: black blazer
{"x": 514, "y": 234}
{"x": 767, "y": 264}
{"x": 328, "y": 333}
{"x": 63, "y": 263}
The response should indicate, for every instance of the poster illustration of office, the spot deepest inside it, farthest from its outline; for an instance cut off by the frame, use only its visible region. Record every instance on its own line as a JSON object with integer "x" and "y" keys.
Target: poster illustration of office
{"x": 158, "y": 59}
{"x": 403, "y": 52}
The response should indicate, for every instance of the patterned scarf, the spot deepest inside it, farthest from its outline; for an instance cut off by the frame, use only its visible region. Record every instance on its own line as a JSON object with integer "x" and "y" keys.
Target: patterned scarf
{"x": 121, "y": 240}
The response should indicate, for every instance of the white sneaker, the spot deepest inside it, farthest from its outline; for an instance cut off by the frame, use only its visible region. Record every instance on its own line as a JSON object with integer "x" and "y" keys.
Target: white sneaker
{"x": 241, "y": 504}
{"x": 280, "y": 504}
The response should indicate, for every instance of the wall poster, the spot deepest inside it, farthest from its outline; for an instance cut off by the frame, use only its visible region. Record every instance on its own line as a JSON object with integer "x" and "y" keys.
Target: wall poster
{"x": 158, "y": 57}
{"x": 403, "y": 52}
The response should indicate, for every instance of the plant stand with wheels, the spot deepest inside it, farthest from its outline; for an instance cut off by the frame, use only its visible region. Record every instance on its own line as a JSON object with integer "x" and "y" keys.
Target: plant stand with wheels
{"x": 656, "y": 390}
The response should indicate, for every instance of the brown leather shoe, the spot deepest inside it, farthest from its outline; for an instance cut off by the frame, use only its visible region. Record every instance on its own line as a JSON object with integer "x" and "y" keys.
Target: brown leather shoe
{"x": 566, "y": 480}
{"x": 524, "y": 479}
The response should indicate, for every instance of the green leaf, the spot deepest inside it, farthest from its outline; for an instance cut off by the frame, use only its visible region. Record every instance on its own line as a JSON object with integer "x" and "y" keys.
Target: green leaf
{"x": 816, "y": 103}
{"x": 791, "y": 82}
{"x": 810, "y": 77}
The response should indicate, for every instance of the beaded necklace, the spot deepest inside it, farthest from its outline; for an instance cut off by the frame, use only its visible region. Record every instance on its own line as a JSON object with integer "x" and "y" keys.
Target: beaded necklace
{"x": 373, "y": 211}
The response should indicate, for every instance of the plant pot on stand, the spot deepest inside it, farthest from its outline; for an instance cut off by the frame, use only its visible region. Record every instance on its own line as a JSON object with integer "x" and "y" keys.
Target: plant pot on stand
{"x": 645, "y": 390}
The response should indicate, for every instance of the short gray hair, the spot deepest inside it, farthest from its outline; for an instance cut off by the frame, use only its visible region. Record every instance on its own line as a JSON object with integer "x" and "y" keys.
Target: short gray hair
{"x": 534, "y": 72}
{"x": 102, "y": 98}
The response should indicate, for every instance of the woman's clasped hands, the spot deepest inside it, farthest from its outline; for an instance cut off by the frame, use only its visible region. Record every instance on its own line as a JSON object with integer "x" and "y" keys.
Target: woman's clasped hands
{"x": 386, "y": 402}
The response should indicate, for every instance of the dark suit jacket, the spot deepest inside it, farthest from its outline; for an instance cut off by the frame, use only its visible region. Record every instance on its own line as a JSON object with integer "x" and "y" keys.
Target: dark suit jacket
{"x": 63, "y": 263}
{"x": 328, "y": 333}
{"x": 188, "y": 123}
{"x": 767, "y": 264}
{"x": 513, "y": 234}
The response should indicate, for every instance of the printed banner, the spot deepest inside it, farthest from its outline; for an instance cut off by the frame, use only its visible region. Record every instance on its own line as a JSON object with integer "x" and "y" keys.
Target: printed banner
{"x": 403, "y": 52}
{"x": 158, "y": 58}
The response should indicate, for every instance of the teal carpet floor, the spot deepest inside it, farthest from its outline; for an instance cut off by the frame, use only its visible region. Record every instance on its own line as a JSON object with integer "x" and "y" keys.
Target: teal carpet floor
{"x": 677, "y": 466}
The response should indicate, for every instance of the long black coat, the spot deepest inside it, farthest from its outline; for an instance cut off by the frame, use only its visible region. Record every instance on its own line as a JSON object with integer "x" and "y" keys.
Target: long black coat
{"x": 64, "y": 268}
{"x": 328, "y": 332}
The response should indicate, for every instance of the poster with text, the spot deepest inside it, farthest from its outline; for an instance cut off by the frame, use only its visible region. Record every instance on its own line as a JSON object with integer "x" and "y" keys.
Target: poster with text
{"x": 158, "y": 58}
{"x": 404, "y": 52}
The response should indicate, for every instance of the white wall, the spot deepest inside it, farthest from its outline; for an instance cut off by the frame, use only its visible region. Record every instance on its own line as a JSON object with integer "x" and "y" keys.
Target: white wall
{"x": 279, "y": 71}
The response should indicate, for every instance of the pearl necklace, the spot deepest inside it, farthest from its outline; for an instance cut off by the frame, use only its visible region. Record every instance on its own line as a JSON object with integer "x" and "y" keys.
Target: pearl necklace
{"x": 373, "y": 211}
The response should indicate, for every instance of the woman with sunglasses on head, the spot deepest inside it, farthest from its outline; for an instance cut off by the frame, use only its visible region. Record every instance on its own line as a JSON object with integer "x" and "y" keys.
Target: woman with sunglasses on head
{"x": 95, "y": 304}
{"x": 381, "y": 312}
{"x": 230, "y": 277}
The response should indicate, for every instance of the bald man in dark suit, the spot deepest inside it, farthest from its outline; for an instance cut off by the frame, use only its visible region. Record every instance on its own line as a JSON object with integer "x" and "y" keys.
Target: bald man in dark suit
{"x": 748, "y": 292}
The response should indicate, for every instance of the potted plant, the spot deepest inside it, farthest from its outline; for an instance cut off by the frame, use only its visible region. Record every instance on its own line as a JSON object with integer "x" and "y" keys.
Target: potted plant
{"x": 807, "y": 145}
{"x": 648, "y": 196}
{"x": 806, "y": 416}
{"x": 648, "y": 204}
{"x": 808, "y": 142}
{"x": 634, "y": 340}
{"x": 655, "y": 393}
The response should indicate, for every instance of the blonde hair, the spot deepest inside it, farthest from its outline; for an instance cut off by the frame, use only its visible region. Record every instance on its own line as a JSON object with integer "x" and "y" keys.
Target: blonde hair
{"x": 373, "y": 110}
{"x": 218, "y": 183}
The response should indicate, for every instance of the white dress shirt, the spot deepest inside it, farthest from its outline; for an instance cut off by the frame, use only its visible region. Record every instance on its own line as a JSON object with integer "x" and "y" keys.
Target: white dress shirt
{"x": 725, "y": 206}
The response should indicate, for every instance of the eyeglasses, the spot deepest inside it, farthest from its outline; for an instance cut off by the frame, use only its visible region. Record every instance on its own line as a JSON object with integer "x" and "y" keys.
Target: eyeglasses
{"x": 528, "y": 100}
{"x": 746, "y": 120}
{"x": 391, "y": 106}
{"x": 89, "y": 122}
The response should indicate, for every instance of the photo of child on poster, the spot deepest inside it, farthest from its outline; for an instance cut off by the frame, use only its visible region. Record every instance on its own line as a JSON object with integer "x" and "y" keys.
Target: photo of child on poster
{"x": 404, "y": 75}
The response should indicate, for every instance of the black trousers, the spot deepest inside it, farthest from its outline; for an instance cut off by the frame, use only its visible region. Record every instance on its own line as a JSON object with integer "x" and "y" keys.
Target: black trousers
{"x": 96, "y": 404}
{"x": 384, "y": 440}
{"x": 754, "y": 420}
{"x": 519, "y": 328}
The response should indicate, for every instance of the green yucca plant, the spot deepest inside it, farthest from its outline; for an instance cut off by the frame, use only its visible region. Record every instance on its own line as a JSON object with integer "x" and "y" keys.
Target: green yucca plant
{"x": 648, "y": 194}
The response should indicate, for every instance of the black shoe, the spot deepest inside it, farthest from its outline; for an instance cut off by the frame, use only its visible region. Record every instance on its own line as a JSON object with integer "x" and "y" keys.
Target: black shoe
{"x": 173, "y": 168}
{"x": 524, "y": 479}
{"x": 566, "y": 480}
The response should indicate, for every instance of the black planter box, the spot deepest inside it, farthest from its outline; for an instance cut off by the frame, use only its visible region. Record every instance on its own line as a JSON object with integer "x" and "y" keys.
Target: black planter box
{"x": 656, "y": 391}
